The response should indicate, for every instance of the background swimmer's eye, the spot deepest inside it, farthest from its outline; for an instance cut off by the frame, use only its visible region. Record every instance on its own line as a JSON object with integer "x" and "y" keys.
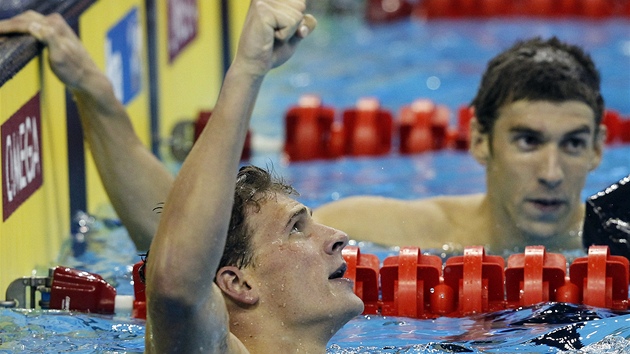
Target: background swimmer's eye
{"x": 526, "y": 141}
{"x": 575, "y": 144}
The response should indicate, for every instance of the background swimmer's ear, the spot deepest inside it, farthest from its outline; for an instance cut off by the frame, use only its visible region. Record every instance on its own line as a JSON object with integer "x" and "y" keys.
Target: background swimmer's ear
{"x": 479, "y": 142}
{"x": 598, "y": 147}
{"x": 232, "y": 282}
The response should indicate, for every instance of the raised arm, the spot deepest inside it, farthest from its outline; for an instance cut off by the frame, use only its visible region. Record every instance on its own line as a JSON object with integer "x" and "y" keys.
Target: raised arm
{"x": 186, "y": 311}
{"x": 134, "y": 179}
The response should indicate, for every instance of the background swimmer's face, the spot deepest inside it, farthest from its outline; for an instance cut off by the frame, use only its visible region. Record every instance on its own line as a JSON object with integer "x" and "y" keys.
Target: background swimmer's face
{"x": 537, "y": 161}
{"x": 298, "y": 265}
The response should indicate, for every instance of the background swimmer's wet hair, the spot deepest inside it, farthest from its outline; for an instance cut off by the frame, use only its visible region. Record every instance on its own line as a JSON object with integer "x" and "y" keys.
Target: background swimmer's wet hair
{"x": 538, "y": 69}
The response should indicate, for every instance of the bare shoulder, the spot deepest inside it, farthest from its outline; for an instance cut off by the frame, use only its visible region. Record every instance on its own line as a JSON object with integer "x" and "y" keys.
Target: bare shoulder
{"x": 455, "y": 204}
{"x": 427, "y": 222}
{"x": 354, "y": 203}
{"x": 458, "y": 217}
{"x": 349, "y": 209}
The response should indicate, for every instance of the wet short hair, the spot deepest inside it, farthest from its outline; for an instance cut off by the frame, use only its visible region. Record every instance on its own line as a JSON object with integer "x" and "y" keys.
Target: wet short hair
{"x": 254, "y": 186}
{"x": 535, "y": 70}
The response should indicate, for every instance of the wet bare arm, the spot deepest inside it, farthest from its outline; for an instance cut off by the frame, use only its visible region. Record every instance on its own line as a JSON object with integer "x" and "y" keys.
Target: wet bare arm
{"x": 134, "y": 179}
{"x": 186, "y": 310}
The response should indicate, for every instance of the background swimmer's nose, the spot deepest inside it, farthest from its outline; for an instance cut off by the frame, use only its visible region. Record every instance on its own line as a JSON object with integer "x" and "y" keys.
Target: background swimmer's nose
{"x": 551, "y": 173}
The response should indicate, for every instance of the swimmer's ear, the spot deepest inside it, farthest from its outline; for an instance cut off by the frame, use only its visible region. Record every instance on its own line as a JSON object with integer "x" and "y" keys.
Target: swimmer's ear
{"x": 479, "y": 142}
{"x": 598, "y": 147}
{"x": 233, "y": 282}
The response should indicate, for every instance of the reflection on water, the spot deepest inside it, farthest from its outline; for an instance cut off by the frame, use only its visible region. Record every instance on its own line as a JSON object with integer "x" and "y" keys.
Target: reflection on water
{"x": 545, "y": 328}
{"x": 51, "y": 331}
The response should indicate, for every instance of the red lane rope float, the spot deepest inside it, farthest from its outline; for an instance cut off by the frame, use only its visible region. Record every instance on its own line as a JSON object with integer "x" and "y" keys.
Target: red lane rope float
{"x": 478, "y": 279}
{"x": 313, "y": 131}
{"x": 367, "y": 129}
{"x": 602, "y": 278}
{"x": 415, "y": 285}
{"x": 406, "y": 282}
{"x": 534, "y": 276}
{"x": 363, "y": 270}
{"x": 308, "y": 130}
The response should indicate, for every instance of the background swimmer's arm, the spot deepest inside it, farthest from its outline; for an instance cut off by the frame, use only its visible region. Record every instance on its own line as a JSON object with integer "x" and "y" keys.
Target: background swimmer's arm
{"x": 134, "y": 179}
{"x": 387, "y": 221}
{"x": 425, "y": 223}
{"x": 186, "y": 310}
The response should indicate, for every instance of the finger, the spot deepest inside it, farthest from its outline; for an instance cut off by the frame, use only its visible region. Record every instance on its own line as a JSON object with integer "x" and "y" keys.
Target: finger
{"x": 289, "y": 16}
{"x": 21, "y": 23}
{"x": 37, "y": 30}
{"x": 52, "y": 29}
{"x": 308, "y": 24}
{"x": 283, "y": 16}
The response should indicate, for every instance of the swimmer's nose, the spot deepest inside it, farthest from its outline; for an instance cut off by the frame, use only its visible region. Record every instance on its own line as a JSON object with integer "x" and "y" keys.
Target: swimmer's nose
{"x": 551, "y": 173}
{"x": 337, "y": 242}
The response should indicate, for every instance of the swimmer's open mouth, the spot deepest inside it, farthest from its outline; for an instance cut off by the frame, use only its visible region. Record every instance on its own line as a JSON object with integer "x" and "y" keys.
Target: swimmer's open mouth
{"x": 339, "y": 272}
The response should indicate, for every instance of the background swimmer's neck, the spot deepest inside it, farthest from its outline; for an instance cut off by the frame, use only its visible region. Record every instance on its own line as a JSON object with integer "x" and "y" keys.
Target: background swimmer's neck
{"x": 506, "y": 234}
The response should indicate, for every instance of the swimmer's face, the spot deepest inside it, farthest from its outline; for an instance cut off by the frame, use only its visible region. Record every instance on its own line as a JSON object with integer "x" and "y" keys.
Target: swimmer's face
{"x": 298, "y": 266}
{"x": 540, "y": 155}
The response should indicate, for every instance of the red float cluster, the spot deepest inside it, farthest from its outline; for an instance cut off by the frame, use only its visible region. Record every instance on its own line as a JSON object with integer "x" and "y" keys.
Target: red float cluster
{"x": 618, "y": 127}
{"x": 410, "y": 284}
{"x": 368, "y": 129}
{"x": 378, "y": 11}
{"x": 420, "y": 286}
{"x": 313, "y": 131}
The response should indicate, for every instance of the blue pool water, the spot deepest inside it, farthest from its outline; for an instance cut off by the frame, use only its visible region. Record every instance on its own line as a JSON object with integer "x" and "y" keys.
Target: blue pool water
{"x": 342, "y": 61}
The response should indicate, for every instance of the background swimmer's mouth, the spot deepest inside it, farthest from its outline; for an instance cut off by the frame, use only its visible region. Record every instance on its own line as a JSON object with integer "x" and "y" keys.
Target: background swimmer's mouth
{"x": 339, "y": 272}
{"x": 548, "y": 202}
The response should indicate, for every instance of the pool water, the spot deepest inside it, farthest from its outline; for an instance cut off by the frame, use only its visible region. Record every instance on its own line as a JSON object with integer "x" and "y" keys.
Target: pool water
{"x": 543, "y": 328}
{"x": 392, "y": 62}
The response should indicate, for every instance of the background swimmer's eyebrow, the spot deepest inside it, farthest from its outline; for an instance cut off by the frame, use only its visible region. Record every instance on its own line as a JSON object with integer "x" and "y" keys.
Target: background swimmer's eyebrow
{"x": 582, "y": 130}
{"x": 299, "y": 213}
{"x": 585, "y": 129}
{"x": 524, "y": 129}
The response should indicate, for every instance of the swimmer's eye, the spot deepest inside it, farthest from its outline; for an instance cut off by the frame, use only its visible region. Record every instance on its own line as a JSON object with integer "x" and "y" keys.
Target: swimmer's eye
{"x": 298, "y": 226}
{"x": 527, "y": 142}
{"x": 575, "y": 145}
